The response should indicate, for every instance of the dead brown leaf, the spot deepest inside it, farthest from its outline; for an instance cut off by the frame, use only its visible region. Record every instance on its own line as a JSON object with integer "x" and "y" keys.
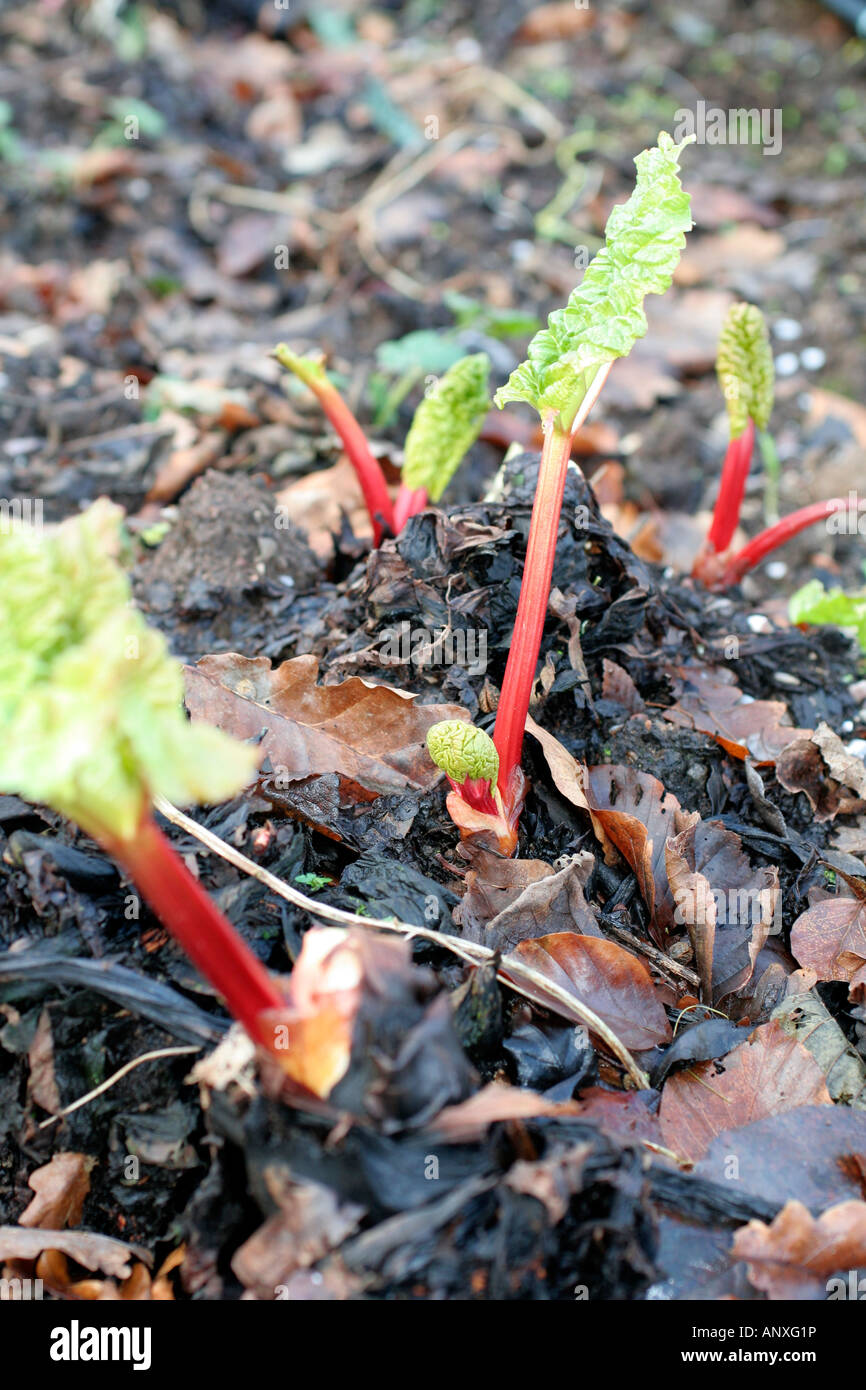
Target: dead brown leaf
{"x": 42, "y": 1082}
{"x": 711, "y": 703}
{"x": 727, "y": 906}
{"x": 830, "y": 938}
{"x": 494, "y": 1104}
{"x": 796, "y": 1255}
{"x": 767, "y": 1074}
{"x": 604, "y": 977}
{"x": 530, "y": 898}
{"x": 310, "y": 1222}
{"x": 61, "y": 1186}
{"x": 821, "y": 767}
{"x": 371, "y": 736}
{"x": 93, "y": 1251}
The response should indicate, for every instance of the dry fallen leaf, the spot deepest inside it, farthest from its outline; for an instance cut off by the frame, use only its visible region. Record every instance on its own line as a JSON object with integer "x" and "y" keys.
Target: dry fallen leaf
{"x": 371, "y": 736}
{"x": 607, "y": 979}
{"x": 86, "y": 1248}
{"x": 820, "y": 766}
{"x": 712, "y": 704}
{"x": 796, "y": 1256}
{"x": 309, "y": 1222}
{"x": 830, "y": 937}
{"x": 728, "y": 907}
{"x": 60, "y": 1187}
{"x": 512, "y": 900}
{"x": 767, "y": 1074}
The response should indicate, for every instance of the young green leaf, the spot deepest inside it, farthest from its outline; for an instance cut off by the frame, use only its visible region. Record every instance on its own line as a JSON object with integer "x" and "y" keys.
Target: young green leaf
{"x": 604, "y": 316}
{"x": 90, "y": 701}
{"x": 744, "y": 366}
{"x": 464, "y": 753}
{"x": 446, "y": 424}
{"x": 815, "y": 604}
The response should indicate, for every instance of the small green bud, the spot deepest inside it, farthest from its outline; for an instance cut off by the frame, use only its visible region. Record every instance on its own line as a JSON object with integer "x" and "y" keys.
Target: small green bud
{"x": 463, "y": 752}
{"x": 744, "y": 366}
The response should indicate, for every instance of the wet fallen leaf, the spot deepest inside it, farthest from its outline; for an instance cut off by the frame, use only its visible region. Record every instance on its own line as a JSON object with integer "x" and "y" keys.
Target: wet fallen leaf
{"x": 630, "y": 1115}
{"x": 606, "y": 978}
{"x": 796, "y": 1255}
{"x": 61, "y": 1186}
{"x": 371, "y": 736}
{"x": 768, "y": 1073}
{"x": 806, "y": 1018}
{"x": 552, "y": 1181}
{"x": 811, "y": 1153}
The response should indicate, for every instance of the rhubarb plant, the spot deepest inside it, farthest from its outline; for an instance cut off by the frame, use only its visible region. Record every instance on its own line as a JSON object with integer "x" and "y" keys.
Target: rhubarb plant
{"x": 566, "y": 367}
{"x": 446, "y": 424}
{"x": 744, "y": 366}
{"x": 93, "y": 725}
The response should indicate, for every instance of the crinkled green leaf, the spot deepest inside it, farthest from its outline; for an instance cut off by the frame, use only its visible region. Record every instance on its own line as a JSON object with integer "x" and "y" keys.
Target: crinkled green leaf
{"x": 815, "y": 604}
{"x": 446, "y": 424}
{"x": 744, "y": 366}
{"x": 604, "y": 316}
{"x": 91, "y": 712}
{"x": 463, "y": 752}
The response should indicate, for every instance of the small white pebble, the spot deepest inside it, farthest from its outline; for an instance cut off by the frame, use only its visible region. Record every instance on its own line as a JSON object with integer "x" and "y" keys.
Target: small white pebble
{"x": 468, "y": 50}
{"x": 787, "y": 363}
{"x": 777, "y": 569}
{"x": 138, "y": 190}
{"x": 787, "y": 330}
{"x": 758, "y": 622}
{"x": 522, "y": 251}
{"x": 785, "y": 678}
{"x": 847, "y": 726}
{"x": 813, "y": 358}
{"x": 857, "y": 747}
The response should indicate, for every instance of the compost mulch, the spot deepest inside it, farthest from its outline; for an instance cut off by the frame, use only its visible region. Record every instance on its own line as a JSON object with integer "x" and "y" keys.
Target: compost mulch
{"x": 421, "y": 1176}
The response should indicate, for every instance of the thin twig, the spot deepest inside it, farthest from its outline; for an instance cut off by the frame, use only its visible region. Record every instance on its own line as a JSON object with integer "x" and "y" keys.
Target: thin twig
{"x": 112, "y": 1080}
{"x": 511, "y": 970}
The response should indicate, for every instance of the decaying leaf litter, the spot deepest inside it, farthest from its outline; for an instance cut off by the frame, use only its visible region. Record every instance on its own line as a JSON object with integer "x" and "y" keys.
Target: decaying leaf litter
{"x": 472, "y": 1133}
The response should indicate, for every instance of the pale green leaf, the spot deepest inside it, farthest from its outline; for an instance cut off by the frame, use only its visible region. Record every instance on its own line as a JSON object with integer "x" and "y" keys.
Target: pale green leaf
{"x": 446, "y": 424}
{"x": 91, "y": 713}
{"x": 604, "y": 316}
{"x": 744, "y": 366}
{"x": 815, "y": 604}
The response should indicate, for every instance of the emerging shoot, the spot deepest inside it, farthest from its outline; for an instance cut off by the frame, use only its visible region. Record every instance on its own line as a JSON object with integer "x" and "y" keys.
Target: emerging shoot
{"x": 745, "y": 370}
{"x": 93, "y": 725}
{"x": 566, "y": 368}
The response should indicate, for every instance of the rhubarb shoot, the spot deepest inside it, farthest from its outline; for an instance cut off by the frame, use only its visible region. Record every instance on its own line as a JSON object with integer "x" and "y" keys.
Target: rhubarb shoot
{"x": 92, "y": 724}
{"x": 567, "y": 367}
{"x": 446, "y": 424}
{"x": 370, "y": 476}
{"x": 769, "y": 540}
{"x": 744, "y": 366}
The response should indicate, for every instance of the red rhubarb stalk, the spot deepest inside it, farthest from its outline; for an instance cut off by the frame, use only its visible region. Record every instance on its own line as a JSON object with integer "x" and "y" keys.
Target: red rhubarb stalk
{"x": 408, "y": 503}
{"x": 206, "y": 936}
{"x": 735, "y": 471}
{"x": 767, "y": 541}
{"x": 517, "y": 684}
{"x": 370, "y": 475}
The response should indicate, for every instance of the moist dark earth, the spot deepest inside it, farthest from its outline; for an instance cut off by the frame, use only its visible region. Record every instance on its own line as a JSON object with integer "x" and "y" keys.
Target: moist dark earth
{"x": 134, "y": 267}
